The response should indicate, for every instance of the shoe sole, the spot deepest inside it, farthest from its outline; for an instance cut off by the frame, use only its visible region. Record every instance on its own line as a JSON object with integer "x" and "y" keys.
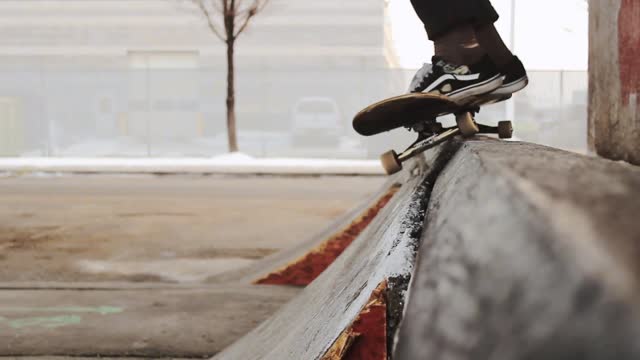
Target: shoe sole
{"x": 462, "y": 96}
{"x": 512, "y": 87}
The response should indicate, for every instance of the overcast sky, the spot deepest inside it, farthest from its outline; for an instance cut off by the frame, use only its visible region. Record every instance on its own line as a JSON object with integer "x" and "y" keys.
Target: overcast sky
{"x": 550, "y": 34}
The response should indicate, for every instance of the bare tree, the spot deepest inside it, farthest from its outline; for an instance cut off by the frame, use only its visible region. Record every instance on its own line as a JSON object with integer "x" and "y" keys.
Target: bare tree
{"x": 227, "y": 19}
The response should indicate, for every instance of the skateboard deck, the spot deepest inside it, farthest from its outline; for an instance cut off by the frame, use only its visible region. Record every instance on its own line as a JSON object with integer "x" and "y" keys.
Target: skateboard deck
{"x": 419, "y": 112}
{"x": 403, "y": 110}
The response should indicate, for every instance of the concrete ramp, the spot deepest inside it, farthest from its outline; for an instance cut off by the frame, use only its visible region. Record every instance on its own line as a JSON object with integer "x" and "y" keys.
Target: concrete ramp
{"x": 489, "y": 250}
{"x": 529, "y": 252}
{"x": 303, "y": 263}
{"x": 332, "y": 317}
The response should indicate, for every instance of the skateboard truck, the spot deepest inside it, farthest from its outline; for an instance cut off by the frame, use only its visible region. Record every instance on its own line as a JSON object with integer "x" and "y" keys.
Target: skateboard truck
{"x": 419, "y": 112}
{"x": 432, "y": 133}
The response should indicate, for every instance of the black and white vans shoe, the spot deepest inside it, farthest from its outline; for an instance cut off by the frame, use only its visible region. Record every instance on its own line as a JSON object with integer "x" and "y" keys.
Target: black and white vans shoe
{"x": 515, "y": 78}
{"x": 458, "y": 82}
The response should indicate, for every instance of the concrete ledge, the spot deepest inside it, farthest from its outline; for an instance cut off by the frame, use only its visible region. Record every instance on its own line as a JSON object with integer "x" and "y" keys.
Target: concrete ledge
{"x": 320, "y": 320}
{"x": 528, "y": 253}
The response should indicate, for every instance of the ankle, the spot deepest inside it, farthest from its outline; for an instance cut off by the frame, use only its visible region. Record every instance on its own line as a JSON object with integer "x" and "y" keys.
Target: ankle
{"x": 461, "y": 56}
{"x": 459, "y": 46}
{"x": 490, "y": 40}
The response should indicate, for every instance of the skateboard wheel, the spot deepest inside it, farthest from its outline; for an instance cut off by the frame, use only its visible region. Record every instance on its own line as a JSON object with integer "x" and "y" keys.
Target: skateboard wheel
{"x": 505, "y": 129}
{"x": 467, "y": 126}
{"x": 390, "y": 162}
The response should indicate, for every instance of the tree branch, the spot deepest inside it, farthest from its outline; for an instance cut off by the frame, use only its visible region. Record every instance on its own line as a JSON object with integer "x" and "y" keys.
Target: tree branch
{"x": 261, "y": 4}
{"x": 217, "y": 7}
{"x": 245, "y": 22}
{"x": 207, "y": 14}
{"x": 231, "y": 15}
{"x": 250, "y": 13}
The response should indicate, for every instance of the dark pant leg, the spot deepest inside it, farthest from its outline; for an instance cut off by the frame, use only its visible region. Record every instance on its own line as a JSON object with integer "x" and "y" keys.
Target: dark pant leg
{"x": 440, "y": 16}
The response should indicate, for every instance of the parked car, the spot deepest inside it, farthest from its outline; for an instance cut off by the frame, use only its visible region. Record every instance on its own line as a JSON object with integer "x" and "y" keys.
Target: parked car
{"x": 316, "y": 121}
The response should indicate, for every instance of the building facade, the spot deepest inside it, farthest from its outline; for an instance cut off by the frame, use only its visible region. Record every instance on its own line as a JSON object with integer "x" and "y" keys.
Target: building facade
{"x": 147, "y": 77}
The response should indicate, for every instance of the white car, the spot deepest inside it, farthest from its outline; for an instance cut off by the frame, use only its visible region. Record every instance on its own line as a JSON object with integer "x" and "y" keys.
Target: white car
{"x": 316, "y": 121}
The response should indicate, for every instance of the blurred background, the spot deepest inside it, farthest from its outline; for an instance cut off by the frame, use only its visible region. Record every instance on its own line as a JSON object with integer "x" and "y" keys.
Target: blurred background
{"x": 146, "y": 78}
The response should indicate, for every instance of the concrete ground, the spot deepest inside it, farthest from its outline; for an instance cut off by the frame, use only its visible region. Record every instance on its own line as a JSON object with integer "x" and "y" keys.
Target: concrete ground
{"x": 79, "y": 358}
{"x": 116, "y": 265}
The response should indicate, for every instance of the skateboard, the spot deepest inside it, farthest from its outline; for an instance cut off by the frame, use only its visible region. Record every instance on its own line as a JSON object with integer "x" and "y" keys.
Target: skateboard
{"x": 420, "y": 112}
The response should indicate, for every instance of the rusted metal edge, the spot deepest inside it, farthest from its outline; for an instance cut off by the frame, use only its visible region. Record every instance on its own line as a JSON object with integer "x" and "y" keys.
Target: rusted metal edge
{"x": 366, "y": 337}
{"x": 304, "y": 270}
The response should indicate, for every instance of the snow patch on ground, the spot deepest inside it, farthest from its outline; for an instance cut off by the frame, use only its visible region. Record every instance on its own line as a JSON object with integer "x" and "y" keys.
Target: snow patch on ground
{"x": 233, "y": 163}
{"x": 176, "y": 270}
{"x": 234, "y": 157}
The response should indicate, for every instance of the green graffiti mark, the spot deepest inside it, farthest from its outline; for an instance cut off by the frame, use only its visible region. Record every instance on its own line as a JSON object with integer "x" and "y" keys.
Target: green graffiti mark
{"x": 102, "y": 310}
{"x": 53, "y": 321}
{"x": 46, "y": 322}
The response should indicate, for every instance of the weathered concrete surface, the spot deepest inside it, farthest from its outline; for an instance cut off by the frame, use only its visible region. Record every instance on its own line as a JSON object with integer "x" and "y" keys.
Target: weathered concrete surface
{"x": 284, "y": 258}
{"x": 614, "y": 79}
{"x": 152, "y": 246}
{"x": 81, "y": 358}
{"x": 304, "y": 270}
{"x": 160, "y": 228}
{"x": 155, "y": 323}
{"x": 309, "y": 325}
{"x": 528, "y": 253}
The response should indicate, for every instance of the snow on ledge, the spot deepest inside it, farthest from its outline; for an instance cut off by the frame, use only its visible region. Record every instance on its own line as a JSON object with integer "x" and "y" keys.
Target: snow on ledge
{"x": 234, "y": 163}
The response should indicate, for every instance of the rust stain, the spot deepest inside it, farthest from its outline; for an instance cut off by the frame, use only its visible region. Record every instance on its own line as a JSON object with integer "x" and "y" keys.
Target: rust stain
{"x": 366, "y": 338}
{"x": 341, "y": 346}
{"x": 629, "y": 49}
{"x": 306, "y": 269}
